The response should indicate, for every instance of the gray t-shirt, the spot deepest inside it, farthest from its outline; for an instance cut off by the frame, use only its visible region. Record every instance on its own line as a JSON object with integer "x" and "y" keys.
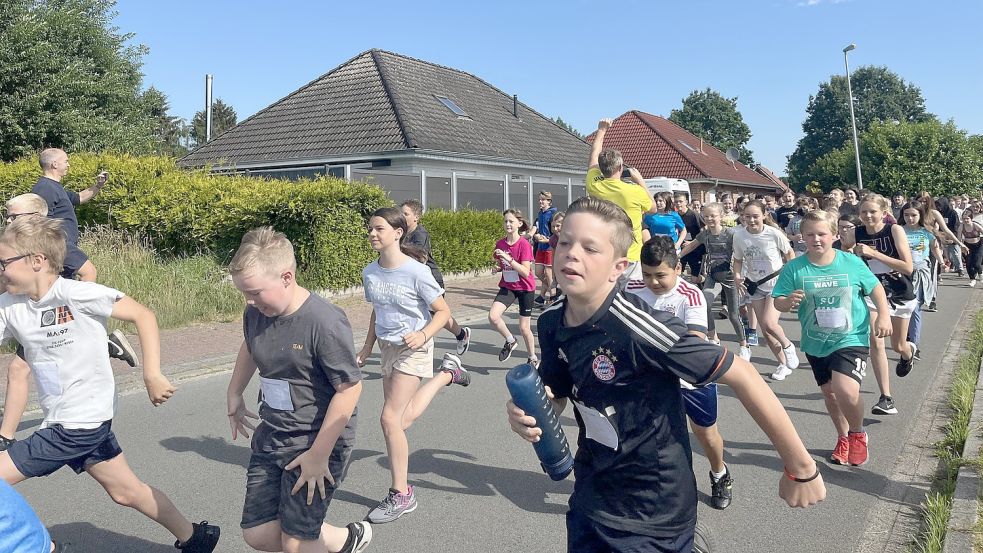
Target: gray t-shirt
{"x": 301, "y": 358}
{"x": 720, "y": 249}
{"x": 401, "y": 297}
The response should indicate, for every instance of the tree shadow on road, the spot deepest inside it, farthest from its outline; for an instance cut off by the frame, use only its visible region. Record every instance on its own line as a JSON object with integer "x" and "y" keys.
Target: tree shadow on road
{"x": 84, "y": 537}
{"x": 525, "y": 489}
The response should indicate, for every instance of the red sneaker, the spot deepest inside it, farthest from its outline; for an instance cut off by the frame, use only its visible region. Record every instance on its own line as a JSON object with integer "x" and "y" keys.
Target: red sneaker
{"x": 841, "y": 453}
{"x": 858, "y": 448}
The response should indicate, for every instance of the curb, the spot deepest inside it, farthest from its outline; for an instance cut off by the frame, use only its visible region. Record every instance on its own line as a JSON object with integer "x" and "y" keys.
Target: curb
{"x": 964, "y": 512}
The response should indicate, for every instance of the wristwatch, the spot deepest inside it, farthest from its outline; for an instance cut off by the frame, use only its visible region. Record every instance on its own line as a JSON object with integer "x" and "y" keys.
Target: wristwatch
{"x": 6, "y": 442}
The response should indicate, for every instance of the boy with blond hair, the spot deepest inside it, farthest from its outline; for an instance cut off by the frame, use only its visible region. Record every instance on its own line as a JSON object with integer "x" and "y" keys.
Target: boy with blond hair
{"x": 619, "y": 360}
{"x": 66, "y": 353}
{"x": 303, "y": 347}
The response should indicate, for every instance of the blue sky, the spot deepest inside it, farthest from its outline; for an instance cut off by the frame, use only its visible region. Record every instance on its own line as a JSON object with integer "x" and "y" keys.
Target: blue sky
{"x": 579, "y": 59}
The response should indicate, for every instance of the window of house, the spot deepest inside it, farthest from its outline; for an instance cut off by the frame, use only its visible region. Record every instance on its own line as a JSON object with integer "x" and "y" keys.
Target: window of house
{"x": 449, "y": 104}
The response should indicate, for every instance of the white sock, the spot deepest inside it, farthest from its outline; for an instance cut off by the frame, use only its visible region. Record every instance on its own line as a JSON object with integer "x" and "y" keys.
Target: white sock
{"x": 718, "y": 475}
{"x": 510, "y": 338}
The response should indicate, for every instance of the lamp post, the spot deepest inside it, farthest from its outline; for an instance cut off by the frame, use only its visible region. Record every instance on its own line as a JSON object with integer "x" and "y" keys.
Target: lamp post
{"x": 853, "y": 119}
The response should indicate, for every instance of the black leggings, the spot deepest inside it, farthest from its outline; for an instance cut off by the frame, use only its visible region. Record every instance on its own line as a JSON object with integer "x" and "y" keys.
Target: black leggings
{"x": 975, "y": 264}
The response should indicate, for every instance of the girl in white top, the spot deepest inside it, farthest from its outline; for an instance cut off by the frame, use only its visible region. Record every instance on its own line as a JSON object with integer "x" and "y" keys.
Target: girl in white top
{"x": 760, "y": 252}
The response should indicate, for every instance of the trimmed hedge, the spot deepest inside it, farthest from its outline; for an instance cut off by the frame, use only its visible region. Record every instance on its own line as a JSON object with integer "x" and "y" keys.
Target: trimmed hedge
{"x": 193, "y": 211}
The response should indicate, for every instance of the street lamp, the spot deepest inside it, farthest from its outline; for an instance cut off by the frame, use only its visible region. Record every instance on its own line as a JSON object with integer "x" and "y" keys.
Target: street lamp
{"x": 853, "y": 119}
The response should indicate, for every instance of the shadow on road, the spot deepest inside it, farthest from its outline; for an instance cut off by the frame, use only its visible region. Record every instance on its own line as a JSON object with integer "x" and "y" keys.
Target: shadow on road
{"x": 526, "y": 490}
{"x": 85, "y": 537}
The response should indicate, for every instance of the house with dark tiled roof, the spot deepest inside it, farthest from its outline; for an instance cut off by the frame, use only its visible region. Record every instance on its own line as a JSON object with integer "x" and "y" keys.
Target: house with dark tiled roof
{"x": 658, "y": 147}
{"x": 419, "y": 129}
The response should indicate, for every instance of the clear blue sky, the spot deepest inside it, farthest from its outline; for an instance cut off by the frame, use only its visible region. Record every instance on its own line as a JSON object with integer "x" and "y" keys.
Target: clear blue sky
{"x": 579, "y": 59}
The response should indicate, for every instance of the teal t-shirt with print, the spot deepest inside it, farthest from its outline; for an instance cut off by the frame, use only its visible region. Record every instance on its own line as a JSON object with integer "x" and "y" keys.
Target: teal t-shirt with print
{"x": 833, "y": 314}
{"x": 920, "y": 242}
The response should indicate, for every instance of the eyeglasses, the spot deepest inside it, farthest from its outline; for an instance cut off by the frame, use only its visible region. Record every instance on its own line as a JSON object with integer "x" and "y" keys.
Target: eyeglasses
{"x": 847, "y": 227}
{"x": 5, "y": 262}
{"x": 12, "y": 216}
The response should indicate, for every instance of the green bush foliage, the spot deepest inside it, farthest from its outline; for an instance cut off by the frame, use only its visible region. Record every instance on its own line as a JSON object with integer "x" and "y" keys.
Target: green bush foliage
{"x": 185, "y": 212}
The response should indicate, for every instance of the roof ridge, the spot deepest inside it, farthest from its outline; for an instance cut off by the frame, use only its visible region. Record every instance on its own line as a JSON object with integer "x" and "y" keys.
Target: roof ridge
{"x": 278, "y": 102}
{"x": 408, "y": 140}
{"x": 682, "y": 154}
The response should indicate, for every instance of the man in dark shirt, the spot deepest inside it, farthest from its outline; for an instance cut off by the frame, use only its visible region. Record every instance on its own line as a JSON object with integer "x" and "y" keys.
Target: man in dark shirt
{"x": 694, "y": 224}
{"x": 418, "y": 236}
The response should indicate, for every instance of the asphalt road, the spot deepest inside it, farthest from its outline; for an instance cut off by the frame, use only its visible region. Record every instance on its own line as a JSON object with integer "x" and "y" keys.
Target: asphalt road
{"x": 478, "y": 485}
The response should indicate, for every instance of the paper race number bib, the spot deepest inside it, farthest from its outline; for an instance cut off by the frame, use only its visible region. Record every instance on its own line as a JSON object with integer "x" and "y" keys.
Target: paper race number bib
{"x": 597, "y": 426}
{"x": 276, "y": 394}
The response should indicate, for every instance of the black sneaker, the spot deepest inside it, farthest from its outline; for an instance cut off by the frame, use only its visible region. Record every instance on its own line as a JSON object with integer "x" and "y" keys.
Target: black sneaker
{"x": 507, "y": 350}
{"x": 722, "y": 313}
{"x": 359, "y": 536}
{"x": 931, "y": 307}
{"x": 534, "y": 361}
{"x": 904, "y": 366}
{"x": 720, "y": 495}
{"x": 203, "y": 540}
{"x": 917, "y": 355}
{"x": 540, "y": 301}
{"x": 120, "y": 348}
{"x": 885, "y": 406}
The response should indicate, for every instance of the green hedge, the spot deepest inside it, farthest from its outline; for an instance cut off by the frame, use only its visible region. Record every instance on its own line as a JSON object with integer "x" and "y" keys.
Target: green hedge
{"x": 185, "y": 212}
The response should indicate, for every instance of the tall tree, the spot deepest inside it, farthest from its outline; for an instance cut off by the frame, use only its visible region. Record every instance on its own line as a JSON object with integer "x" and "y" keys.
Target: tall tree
{"x": 878, "y": 95}
{"x": 172, "y": 132}
{"x": 710, "y": 116}
{"x": 223, "y": 119}
{"x": 908, "y": 157}
{"x": 70, "y": 79}
{"x": 567, "y": 126}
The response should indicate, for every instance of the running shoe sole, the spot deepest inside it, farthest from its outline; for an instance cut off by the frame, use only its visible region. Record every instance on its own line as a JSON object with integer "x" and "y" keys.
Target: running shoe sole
{"x": 122, "y": 350}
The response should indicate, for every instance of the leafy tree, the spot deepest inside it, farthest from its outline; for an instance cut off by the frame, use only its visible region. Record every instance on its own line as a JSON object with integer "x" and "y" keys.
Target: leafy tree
{"x": 172, "y": 132}
{"x": 878, "y": 94}
{"x": 715, "y": 119}
{"x": 908, "y": 157}
{"x": 69, "y": 79}
{"x": 567, "y": 126}
{"x": 223, "y": 119}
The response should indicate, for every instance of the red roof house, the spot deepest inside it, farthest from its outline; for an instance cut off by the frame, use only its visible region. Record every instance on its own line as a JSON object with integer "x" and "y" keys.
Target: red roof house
{"x": 658, "y": 147}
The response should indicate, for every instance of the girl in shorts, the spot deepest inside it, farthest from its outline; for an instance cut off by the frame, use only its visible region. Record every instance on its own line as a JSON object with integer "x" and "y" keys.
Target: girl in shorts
{"x": 403, "y": 294}
{"x": 719, "y": 243}
{"x": 826, "y": 287}
{"x": 885, "y": 249}
{"x": 513, "y": 258}
{"x": 760, "y": 251}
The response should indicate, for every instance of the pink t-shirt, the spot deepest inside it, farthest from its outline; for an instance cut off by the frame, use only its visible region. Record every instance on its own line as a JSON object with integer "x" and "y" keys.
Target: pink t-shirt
{"x": 521, "y": 251}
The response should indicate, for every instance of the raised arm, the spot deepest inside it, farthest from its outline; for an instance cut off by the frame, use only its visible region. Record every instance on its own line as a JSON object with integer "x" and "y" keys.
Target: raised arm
{"x": 595, "y": 151}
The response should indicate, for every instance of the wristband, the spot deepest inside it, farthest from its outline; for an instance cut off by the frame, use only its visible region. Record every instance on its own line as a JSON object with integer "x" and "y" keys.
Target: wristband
{"x": 802, "y": 480}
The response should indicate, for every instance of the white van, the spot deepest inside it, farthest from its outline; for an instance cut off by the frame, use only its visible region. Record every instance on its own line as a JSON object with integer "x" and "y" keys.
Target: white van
{"x": 666, "y": 184}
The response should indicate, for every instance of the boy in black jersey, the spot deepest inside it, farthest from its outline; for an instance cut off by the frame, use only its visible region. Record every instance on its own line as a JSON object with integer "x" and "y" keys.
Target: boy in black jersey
{"x": 619, "y": 361}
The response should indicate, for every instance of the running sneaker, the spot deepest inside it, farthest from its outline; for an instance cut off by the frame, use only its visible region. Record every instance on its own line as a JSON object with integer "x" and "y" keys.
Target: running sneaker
{"x": 841, "y": 453}
{"x": 932, "y": 308}
{"x": 752, "y": 336}
{"x": 359, "y": 536}
{"x": 917, "y": 356}
{"x": 781, "y": 372}
{"x": 120, "y": 348}
{"x": 791, "y": 359}
{"x": 722, "y": 314}
{"x": 534, "y": 361}
{"x": 452, "y": 364}
{"x": 745, "y": 353}
{"x": 884, "y": 406}
{"x": 540, "y": 301}
{"x": 904, "y": 366}
{"x": 393, "y": 506}
{"x": 971, "y": 283}
{"x": 204, "y": 538}
{"x": 464, "y": 343}
{"x": 721, "y": 490}
{"x": 507, "y": 350}
{"x": 858, "y": 448}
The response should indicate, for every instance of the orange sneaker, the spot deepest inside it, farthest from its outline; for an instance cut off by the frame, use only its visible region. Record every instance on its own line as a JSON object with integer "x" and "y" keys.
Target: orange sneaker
{"x": 858, "y": 448}
{"x": 841, "y": 453}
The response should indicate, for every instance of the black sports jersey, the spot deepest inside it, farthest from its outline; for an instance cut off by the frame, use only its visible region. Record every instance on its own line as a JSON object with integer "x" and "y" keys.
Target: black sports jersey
{"x": 623, "y": 366}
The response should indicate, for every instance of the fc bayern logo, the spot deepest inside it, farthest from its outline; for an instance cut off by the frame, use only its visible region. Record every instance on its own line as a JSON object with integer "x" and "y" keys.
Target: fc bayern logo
{"x": 603, "y": 368}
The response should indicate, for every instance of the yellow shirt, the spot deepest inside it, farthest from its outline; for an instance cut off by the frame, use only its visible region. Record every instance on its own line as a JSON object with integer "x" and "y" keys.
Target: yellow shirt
{"x": 634, "y": 199}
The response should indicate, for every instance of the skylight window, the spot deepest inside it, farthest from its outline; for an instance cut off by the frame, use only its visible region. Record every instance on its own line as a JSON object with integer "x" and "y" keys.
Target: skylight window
{"x": 692, "y": 149}
{"x": 449, "y": 104}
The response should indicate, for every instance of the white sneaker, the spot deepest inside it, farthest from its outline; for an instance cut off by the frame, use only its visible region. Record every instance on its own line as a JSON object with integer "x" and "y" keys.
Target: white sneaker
{"x": 971, "y": 283}
{"x": 745, "y": 353}
{"x": 781, "y": 372}
{"x": 791, "y": 359}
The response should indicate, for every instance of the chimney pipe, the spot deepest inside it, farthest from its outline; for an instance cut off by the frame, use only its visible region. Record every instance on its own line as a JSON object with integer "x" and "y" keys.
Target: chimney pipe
{"x": 208, "y": 108}
{"x": 515, "y": 106}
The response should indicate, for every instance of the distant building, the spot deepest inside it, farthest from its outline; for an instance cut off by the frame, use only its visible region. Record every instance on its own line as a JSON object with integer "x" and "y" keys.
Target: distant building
{"x": 417, "y": 129}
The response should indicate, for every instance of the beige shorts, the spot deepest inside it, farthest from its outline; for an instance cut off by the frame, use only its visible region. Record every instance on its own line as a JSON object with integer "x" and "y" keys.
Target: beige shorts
{"x": 398, "y": 357}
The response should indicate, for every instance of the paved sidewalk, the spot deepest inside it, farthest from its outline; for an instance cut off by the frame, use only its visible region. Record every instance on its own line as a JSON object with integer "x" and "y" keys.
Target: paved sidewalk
{"x": 200, "y": 349}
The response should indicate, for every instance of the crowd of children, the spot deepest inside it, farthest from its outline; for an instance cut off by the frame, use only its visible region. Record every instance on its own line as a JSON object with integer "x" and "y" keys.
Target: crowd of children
{"x": 616, "y": 309}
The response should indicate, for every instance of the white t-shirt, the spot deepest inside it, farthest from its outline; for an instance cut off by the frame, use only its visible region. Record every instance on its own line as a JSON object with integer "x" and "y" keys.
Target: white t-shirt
{"x": 64, "y": 340}
{"x": 686, "y": 302}
{"x": 760, "y": 254}
{"x": 401, "y": 298}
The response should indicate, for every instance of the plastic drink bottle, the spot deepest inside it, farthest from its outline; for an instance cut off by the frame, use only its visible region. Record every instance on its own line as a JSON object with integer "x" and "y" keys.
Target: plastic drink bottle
{"x": 529, "y": 394}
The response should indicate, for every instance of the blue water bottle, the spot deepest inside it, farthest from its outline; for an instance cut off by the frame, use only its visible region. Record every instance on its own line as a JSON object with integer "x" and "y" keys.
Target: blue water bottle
{"x": 528, "y": 394}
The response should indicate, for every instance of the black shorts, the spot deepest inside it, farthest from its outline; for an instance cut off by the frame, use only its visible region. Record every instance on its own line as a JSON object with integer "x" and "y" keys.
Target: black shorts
{"x": 525, "y": 297}
{"x": 851, "y": 361}
{"x": 585, "y": 535}
{"x": 74, "y": 259}
{"x": 51, "y": 448}
{"x": 268, "y": 488}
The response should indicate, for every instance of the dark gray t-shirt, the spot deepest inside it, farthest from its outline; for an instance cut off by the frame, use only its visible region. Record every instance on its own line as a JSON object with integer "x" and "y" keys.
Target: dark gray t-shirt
{"x": 420, "y": 237}
{"x": 720, "y": 249}
{"x": 301, "y": 357}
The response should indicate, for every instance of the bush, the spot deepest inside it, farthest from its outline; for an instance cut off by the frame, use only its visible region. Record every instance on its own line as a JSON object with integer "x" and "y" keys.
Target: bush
{"x": 187, "y": 212}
